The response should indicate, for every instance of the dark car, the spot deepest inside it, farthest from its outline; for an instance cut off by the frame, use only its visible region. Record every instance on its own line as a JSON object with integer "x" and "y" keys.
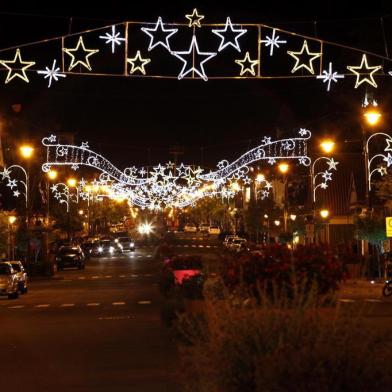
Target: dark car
{"x": 104, "y": 248}
{"x": 70, "y": 256}
{"x": 87, "y": 248}
{"x": 126, "y": 244}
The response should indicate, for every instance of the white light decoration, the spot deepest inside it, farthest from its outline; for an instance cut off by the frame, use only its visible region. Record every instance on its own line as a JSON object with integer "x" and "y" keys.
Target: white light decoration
{"x": 113, "y": 39}
{"x": 191, "y": 60}
{"x": 329, "y": 76}
{"x": 362, "y": 72}
{"x": 371, "y": 161}
{"x": 17, "y": 67}
{"x": 52, "y": 74}
{"x": 324, "y": 175}
{"x": 138, "y": 63}
{"x": 273, "y": 42}
{"x": 61, "y": 193}
{"x": 247, "y": 65}
{"x": 312, "y": 56}
{"x": 159, "y": 29}
{"x": 172, "y": 185}
{"x": 77, "y": 58}
{"x": 15, "y": 182}
{"x": 229, "y": 36}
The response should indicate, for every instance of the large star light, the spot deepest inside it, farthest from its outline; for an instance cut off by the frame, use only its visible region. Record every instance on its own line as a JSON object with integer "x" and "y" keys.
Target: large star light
{"x": 159, "y": 29}
{"x": 308, "y": 64}
{"x": 192, "y": 60}
{"x": 362, "y": 72}
{"x": 17, "y": 67}
{"x": 80, "y": 55}
{"x": 229, "y": 36}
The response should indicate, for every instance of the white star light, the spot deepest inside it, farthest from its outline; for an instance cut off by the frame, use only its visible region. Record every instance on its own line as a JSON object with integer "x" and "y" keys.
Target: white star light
{"x": 16, "y": 193}
{"x": 324, "y": 185}
{"x": 330, "y": 76}
{"x": 303, "y": 132}
{"x": 224, "y": 35}
{"x": 75, "y": 167}
{"x": 52, "y": 138}
{"x": 11, "y": 183}
{"x": 388, "y": 159}
{"x": 273, "y": 41}
{"x": 113, "y": 39}
{"x": 193, "y": 63}
{"x": 327, "y": 176}
{"x": 332, "y": 164}
{"x": 53, "y": 73}
{"x": 85, "y": 145}
{"x": 302, "y": 161}
{"x": 266, "y": 140}
{"x": 5, "y": 173}
{"x": 382, "y": 170}
{"x": 389, "y": 146}
{"x": 159, "y": 26}
{"x": 271, "y": 161}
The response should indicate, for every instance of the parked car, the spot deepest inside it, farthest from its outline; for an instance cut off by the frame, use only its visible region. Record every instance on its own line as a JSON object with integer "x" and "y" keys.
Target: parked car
{"x": 70, "y": 256}
{"x": 204, "y": 227}
{"x": 8, "y": 281}
{"x": 214, "y": 230}
{"x": 228, "y": 240}
{"x": 21, "y": 275}
{"x": 238, "y": 244}
{"x": 125, "y": 244}
{"x": 190, "y": 228}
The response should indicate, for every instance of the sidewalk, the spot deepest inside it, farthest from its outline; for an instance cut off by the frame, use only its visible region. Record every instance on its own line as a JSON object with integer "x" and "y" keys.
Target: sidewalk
{"x": 361, "y": 289}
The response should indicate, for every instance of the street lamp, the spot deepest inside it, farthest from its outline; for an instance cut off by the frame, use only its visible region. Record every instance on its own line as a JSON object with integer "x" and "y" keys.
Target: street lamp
{"x": 52, "y": 175}
{"x": 324, "y": 214}
{"x": 327, "y": 145}
{"x": 11, "y": 221}
{"x": 26, "y": 151}
{"x": 284, "y": 168}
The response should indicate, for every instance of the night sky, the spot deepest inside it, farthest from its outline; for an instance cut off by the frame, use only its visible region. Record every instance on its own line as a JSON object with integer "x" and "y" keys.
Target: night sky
{"x": 137, "y": 121}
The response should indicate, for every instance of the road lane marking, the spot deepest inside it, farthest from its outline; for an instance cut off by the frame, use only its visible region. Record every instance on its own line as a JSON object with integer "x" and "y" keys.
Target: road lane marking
{"x": 346, "y": 300}
{"x": 118, "y": 303}
{"x": 81, "y": 277}
{"x": 372, "y": 300}
{"x": 194, "y": 246}
{"x": 67, "y": 305}
{"x": 94, "y": 277}
{"x": 108, "y": 276}
{"x": 93, "y": 304}
{"x": 201, "y": 246}
{"x": 122, "y": 276}
{"x": 186, "y": 246}
{"x": 144, "y": 302}
{"x": 208, "y": 246}
{"x": 134, "y": 275}
{"x": 115, "y": 318}
{"x": 42, "y": 306}
{"x": 147, "y": 274}
{"x": 16, "y": 307}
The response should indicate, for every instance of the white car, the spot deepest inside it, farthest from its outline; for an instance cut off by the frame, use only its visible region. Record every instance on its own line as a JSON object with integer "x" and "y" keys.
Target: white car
{"x": 238, "y": 244}
{"x": 8, "y": 281}
{"x": 228, "y": 240}
{"x": 190, "y": 228}
{"x": 21, "y": 275}
{"x": 215, "y": 230}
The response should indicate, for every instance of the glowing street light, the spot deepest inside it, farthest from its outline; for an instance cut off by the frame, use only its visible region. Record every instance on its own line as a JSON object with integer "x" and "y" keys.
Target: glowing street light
{"x": 324, "y": 214}
{"x": 145, "y": 228}
{"x": 11, "y": 219}
{"x": 52, "y": 174}
{"x": 372, "y": 116}
{"x": 71, "y": 182}
{"x": 26, "y": 151}
{"x": 284, "y": 168}
{"x": 327, "y": 145}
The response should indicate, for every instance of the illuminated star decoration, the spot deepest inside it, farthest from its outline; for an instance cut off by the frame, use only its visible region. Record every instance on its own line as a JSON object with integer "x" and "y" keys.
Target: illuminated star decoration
{"x": 247, "y": 65}
{"x": 329, "y": 76}
{"x": 273, "y": 42}
{"x": 389, "y": 147}
{"x": 51, "y": 74}
{"x": 362, "y": 72}
{"x": 159, "y": 29}
{"x": 19, "y": 65}
{"x": 138, "y": 63}
{"x": 388, "y": 159}
{"x": 192, "y": 61}
{"x": 113, "y": 39}
{"x": 194, "y": 18}
{"x": 83, "y": 59}
{"x": 16, "y": 193}
{"x": 229, "y": 37}
{"x": 382, "y": 170}
{"x": 332, "y": 164}
{"x": 307, "y": 65}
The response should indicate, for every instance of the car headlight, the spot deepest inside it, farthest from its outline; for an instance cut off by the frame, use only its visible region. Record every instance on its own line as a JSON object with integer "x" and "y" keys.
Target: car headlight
{"x": 100, "y": 249}
{"x": 120, "y": 246}
{"x": 116, "y": 240}
{"x": 132, "y": 244}
{"x": 111, "y": 249}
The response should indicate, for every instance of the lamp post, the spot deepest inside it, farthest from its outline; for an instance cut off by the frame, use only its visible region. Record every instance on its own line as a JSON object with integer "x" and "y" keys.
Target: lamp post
{"x": 26, "y": 151}
{"x": 284, "y": 168}
{"x": 51, "y": 176}
{"x": 11, "y": 221}
{"x": 324, "y": 214}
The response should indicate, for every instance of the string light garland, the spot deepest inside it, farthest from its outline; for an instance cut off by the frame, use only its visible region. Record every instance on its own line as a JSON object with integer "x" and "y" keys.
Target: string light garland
{"x": 17, "y": 67}
{"x": 84, "y": 60}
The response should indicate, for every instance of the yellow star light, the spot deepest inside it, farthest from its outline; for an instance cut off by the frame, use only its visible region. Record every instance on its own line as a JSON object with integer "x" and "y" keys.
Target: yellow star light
{"x": 19, "y": 70}
{"x": 194, "y": 18}
{"x": 82, "y": 60}
{"x": 138, "y": 63}
{"x": 247, "y": 65}
{"x": 298, "y": 64}
{"x": 362, "y": 74}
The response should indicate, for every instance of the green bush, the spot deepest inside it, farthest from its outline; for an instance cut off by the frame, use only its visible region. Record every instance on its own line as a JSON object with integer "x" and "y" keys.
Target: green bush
{"x": 280, "y": 346}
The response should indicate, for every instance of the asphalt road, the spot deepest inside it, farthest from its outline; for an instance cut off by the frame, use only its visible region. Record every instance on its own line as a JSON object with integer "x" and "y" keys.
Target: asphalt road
{"x": 94, "y": 330}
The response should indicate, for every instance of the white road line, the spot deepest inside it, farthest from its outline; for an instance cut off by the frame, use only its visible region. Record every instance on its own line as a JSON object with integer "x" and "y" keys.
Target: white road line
{"x": 144, "y": 302}
{"x": 42, "y": 306}
{"x": 108, "y": 276}
{"x": 208, "y": 246}
{"x": 67, "y": 305}
{"x": 186, "y": 246}
{"x": 93, "y": 304}
{"x": 346, "y": 300}
{"x": 81, "y": 277}
{"x": 201, "y": 246}
{"x": 149, "y": 255}
{"x": 372, "y": 300}
{"x": 94, "y": 277}
{"x": 194, "y": 246}
{"x": 118, "y": 303}
{"x": 122, "y": 276}
{"x": 16, "y": 307}
{"x": 134, "y": 275}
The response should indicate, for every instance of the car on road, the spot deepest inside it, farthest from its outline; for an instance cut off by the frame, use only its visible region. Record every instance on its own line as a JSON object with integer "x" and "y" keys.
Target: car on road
{"x": 228, "y": 240}
{"x": 105, "y": 248}
{"x": 214, "y": 230}
{"x": 238, "y": 244}
{"x": 190, "y": 228}
{"x": 204, "y": 227}
{"x": 69, "y": 257}
{"x": 21, "y": 275}
{"x": 125, "y": 244}
{"x": 8, "y": 281}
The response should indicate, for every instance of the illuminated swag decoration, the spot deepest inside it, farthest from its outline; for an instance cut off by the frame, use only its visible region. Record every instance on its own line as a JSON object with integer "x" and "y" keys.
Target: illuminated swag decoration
{"x": 173, "y": 185}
